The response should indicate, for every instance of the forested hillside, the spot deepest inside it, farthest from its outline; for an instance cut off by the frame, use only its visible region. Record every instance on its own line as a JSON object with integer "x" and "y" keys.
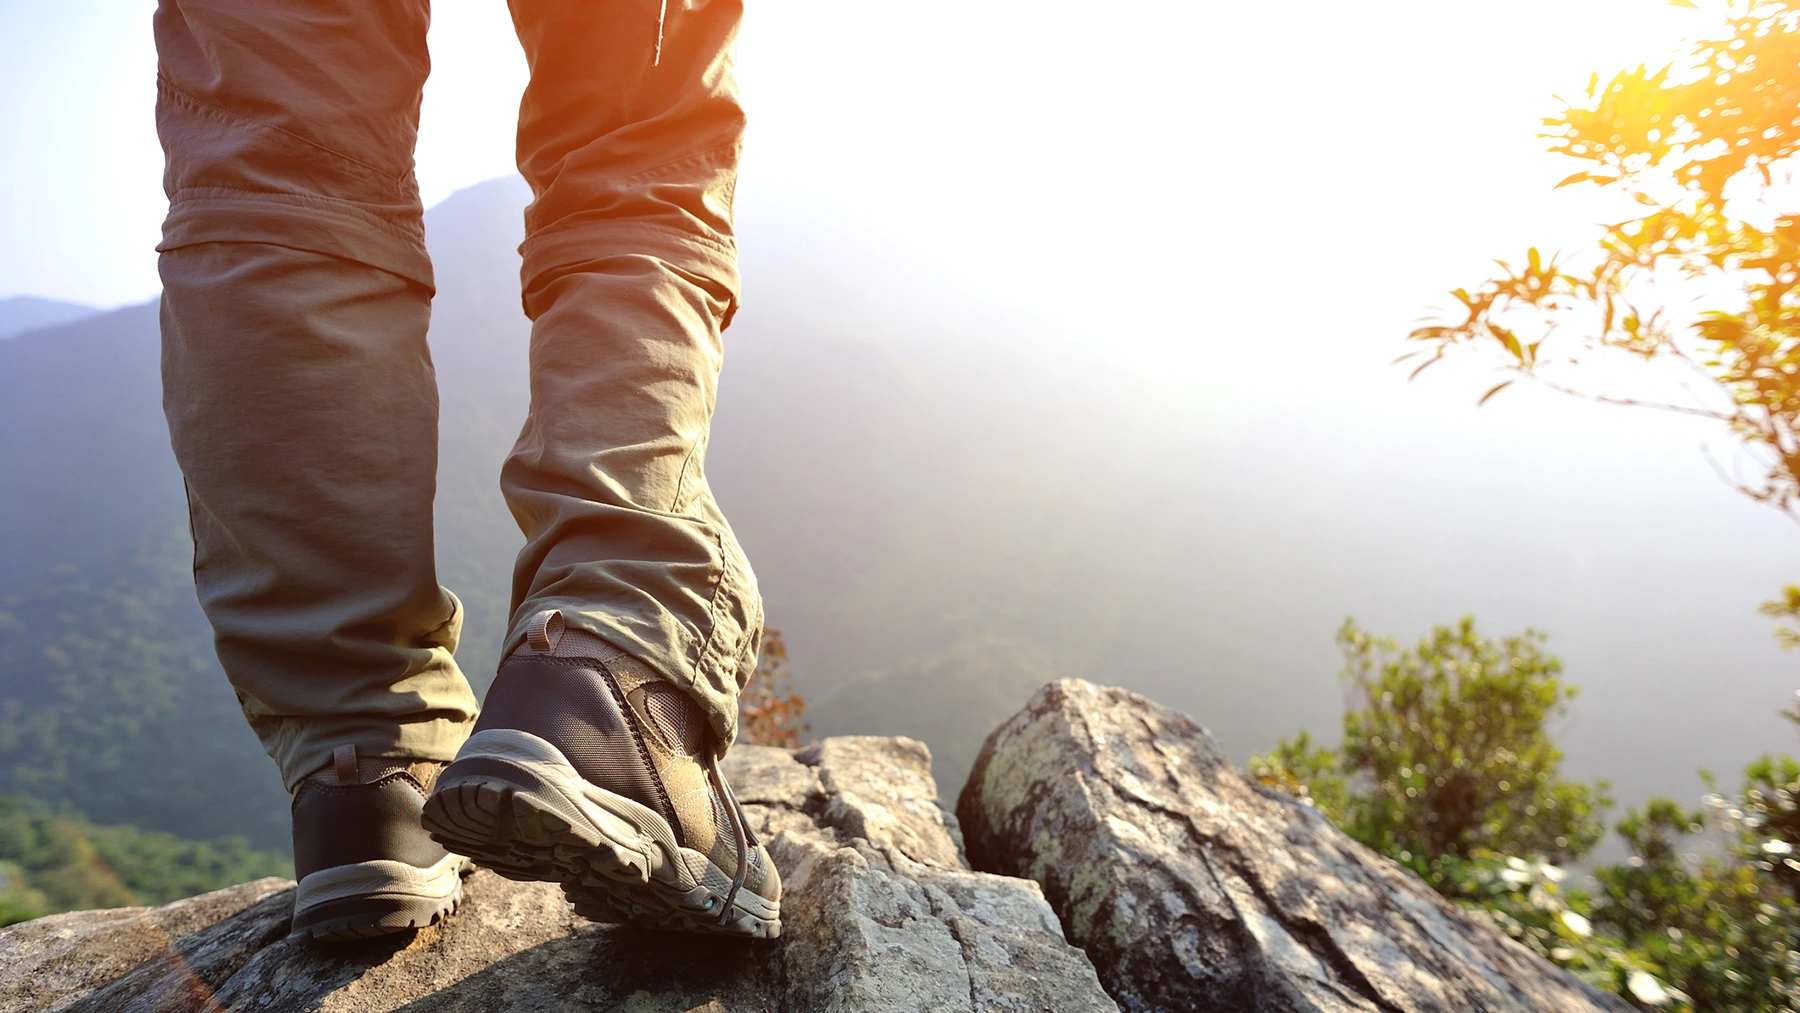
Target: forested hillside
{"x": 54, "y": 862}
{"x": 21, "y": 313}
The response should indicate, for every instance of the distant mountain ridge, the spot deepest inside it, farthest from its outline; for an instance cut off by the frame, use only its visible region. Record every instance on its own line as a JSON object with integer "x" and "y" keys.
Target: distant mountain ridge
{"x": 22, "y": 313}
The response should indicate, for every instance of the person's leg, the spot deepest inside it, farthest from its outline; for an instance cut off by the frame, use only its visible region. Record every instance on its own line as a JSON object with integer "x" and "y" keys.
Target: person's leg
{"x": 630, "y": 134}
{"x": 300, "y": 395}
{"x": 636, "y": 619}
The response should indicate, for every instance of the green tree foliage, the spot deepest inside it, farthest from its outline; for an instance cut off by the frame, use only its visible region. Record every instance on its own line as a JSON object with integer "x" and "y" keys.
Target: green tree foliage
{"x": 1717, "y": 925}
{"x": 106, "y": 672}
{"x": 1445, "y": 752}
{"x": 1704, "y": 148}
{"x": 1701, "y": 918}
{"x": 1446, "y": 767}
{"x": 52, "y": 862}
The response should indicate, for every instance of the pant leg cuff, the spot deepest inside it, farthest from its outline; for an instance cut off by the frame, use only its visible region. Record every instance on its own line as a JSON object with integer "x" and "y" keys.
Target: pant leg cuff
{"x": 302, "y": 747}
{"x": 325, "y": 225}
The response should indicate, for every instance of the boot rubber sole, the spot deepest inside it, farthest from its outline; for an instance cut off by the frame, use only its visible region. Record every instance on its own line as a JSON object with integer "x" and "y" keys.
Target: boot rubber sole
{"x": 514, "y": 803}
{"x": 377, "y": 898}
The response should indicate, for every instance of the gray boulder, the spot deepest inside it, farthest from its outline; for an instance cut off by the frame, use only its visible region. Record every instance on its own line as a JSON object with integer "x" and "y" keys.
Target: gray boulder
{"x": 1193, "y": 889}
{"x": 882, "y": 914}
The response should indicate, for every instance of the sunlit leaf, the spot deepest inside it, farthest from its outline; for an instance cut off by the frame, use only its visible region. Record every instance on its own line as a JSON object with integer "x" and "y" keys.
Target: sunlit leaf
{"x": 1497, "y": 388}
{"x": 1580, "y": 177}
{"x": 1509, "y": 340}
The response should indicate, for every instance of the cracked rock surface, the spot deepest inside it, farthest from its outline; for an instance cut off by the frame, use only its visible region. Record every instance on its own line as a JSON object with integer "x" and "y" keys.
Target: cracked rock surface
{"x": 1193, "y": 889}
{"x": 881, "y": 914}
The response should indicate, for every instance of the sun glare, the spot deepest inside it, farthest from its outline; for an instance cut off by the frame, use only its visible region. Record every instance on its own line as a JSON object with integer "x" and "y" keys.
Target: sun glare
{"x": 1185, "y": 134}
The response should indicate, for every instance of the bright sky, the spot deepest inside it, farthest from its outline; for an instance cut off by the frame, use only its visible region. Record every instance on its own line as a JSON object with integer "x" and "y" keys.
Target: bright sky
{"x": 1039, "y": 149}
{"x": 1199, "y": 185}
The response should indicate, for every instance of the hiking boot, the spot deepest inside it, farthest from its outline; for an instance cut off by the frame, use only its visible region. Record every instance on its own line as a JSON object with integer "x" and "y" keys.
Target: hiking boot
{"x": 588, "y": 770}
{"x": 366, "y": 867}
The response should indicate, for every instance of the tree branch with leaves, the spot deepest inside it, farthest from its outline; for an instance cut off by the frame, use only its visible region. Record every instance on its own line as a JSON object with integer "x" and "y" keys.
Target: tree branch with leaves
{"x": 1705, "y": 146}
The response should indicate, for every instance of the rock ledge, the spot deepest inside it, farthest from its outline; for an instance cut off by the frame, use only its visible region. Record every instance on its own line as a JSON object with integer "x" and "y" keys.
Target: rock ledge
{"x": 883, "y": 914}
{"x": 1193, "y": 889}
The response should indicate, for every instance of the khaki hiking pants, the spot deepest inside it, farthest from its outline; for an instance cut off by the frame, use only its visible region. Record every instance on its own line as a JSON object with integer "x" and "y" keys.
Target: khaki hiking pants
{"x": 300, "y": 394}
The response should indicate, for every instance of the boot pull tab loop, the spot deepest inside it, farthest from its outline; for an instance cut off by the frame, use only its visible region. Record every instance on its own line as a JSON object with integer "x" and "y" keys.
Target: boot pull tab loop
{"x": 544, "y": 630}
{"x": 349, "y": 771}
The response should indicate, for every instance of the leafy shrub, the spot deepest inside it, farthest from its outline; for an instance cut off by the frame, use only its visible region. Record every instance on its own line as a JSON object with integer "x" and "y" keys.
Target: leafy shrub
{"x": 1445, "y": 753}
{"x": 1447, "y": 768}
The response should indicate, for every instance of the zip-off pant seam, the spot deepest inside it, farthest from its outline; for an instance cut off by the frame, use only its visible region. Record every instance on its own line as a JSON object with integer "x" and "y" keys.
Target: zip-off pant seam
{"x": 177, "y": 94}
{"x": 193, "y": 196}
